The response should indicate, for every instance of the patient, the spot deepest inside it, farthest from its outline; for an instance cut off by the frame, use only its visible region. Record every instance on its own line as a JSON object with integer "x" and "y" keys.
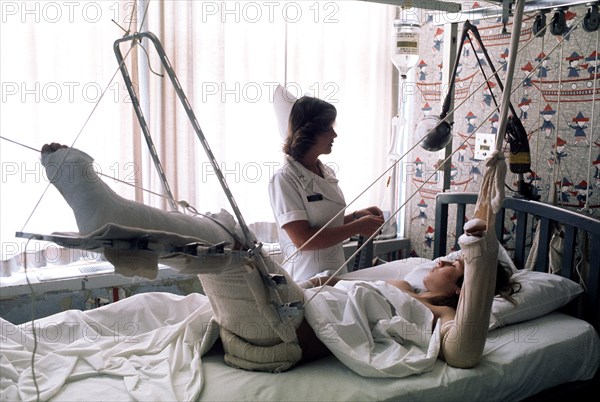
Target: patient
{"x": 460, "y": 296}
{"x": 439, "y": 288}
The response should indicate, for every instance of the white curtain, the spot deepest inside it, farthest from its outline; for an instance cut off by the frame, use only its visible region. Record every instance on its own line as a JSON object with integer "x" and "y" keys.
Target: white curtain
{"x": 56, "y": 59}
{"x": 228, "y": 56}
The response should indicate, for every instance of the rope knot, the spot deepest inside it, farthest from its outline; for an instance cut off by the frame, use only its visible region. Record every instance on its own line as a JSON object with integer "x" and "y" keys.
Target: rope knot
{"x": 493, "y": 160}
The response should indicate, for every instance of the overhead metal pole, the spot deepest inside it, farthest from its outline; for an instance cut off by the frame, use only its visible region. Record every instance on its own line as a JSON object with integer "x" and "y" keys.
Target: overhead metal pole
{"x": 449, "y": 59}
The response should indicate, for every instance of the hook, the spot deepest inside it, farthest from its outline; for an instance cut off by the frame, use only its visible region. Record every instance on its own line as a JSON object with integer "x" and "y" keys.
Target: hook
{"x": 148, "y": 59}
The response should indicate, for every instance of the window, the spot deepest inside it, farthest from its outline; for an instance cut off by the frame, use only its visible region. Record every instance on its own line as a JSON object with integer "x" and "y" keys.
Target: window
{"x": 57, "y": 58}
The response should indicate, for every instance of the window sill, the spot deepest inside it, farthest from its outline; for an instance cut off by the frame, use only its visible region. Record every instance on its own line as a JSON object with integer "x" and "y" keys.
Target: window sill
{"x": 75, "y": 277}
{"x": 87, "y": 275}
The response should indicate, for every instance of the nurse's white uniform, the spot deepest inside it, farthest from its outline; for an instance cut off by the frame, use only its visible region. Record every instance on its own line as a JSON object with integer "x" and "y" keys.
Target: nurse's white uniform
{"x": 299, "y": 194}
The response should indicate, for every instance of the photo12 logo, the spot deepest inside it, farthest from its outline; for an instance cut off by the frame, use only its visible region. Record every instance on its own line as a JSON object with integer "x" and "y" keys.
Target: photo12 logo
{"x": 63, "y": 332}
{"x": 126, "y": 12}
{"x": 269, "y": 11}
{"x": 254, "y": 92}
{"x": 54, "y": 12}
{"x": 63, "y": 92}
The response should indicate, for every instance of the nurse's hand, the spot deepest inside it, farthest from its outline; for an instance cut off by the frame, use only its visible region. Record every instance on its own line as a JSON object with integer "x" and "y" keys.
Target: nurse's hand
{"x": 375, "y": 211}
{"x": 368, "y": 224}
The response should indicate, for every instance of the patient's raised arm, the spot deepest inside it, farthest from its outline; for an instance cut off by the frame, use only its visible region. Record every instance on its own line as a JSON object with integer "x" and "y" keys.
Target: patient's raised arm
{"x": 463, "y": 338}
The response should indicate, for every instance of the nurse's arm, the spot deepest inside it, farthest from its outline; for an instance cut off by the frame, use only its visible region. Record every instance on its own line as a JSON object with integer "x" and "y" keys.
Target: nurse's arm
{"x": 300, "y": 232}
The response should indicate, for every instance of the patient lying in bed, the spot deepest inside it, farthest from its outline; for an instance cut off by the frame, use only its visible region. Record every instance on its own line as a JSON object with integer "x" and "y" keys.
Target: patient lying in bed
{"x": 456, "y": 298}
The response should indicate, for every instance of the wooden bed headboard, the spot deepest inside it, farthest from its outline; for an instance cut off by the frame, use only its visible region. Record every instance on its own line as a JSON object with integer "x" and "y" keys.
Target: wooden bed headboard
{"x": 581, "y": 234}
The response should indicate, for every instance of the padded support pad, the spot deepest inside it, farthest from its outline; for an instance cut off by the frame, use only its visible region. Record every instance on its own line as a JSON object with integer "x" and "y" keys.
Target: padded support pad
{"x": 275, "y": 359}
{"x": 254, "y": 335}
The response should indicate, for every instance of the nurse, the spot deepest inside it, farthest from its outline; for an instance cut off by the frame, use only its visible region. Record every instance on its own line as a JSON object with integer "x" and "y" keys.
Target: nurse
{"x": 305, "y": 196}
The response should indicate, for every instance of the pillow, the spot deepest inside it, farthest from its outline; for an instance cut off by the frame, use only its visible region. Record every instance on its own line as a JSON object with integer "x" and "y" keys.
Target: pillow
{"x": 503, "y": 257}
{"x": 283, "y": 101}
{"x": 540, "y": 294}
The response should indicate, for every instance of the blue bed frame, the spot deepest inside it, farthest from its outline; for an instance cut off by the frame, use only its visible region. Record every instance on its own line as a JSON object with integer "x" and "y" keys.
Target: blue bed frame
{"x": 580, "y": 232}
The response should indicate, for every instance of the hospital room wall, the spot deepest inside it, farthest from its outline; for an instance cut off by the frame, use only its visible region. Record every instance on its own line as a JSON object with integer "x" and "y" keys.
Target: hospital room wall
{"x": 552, "y": 95}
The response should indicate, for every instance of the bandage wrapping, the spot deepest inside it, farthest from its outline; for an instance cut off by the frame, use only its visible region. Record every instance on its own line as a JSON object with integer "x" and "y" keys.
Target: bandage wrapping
{"x": 95, "y": 204}
{"x": 464, "y": 337}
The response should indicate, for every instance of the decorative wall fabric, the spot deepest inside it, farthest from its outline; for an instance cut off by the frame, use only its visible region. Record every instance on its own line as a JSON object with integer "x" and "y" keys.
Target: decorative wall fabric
{"x": 556, "y": 96}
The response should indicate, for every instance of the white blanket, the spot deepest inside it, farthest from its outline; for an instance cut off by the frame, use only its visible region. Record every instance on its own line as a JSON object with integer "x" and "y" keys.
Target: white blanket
{"x": 153, "y": 343}
{"x": 374, "y": 328}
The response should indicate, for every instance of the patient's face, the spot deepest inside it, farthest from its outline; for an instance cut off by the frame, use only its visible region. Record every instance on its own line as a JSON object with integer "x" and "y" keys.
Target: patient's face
{"x": 443, "y": 277}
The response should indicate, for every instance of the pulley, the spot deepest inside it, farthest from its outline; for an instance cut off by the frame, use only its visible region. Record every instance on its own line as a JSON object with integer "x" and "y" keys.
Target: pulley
{"x": 539, "y": 25}
{"x": 591, "y": 21}
{"x": 558, "y": 24}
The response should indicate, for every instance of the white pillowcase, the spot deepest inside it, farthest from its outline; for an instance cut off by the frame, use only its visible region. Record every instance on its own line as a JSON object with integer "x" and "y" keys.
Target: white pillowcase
{"x": 503, "y": 257}
{"x": 540, "y": 294}
{"x": 283, "y": 101}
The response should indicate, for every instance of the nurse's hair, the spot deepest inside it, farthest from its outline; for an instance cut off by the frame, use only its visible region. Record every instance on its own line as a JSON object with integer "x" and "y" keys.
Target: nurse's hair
{"x": 309, "y": 118}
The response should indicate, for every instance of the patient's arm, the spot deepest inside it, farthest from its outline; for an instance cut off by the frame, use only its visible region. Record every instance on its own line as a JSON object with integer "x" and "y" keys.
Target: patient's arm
{"x": 463, "y": 338}
{"x": 321, "y": 280}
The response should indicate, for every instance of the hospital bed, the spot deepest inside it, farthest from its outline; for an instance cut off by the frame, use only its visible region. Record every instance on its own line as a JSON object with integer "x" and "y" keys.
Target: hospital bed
{"x": 157, "y": 346}
{"x": 559, "y": 348}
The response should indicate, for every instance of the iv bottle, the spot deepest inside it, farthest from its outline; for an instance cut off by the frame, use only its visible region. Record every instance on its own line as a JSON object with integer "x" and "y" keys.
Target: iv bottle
{"x": 405, "y": 42}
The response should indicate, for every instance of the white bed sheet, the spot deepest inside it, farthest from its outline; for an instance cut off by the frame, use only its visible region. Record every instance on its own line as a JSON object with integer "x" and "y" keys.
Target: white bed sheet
{"x": 519, "y": 361}
{"x": 147, "y": 347}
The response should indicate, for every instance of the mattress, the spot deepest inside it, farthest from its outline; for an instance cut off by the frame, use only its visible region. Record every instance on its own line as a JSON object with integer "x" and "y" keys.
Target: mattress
{"x": 519, "y": 360}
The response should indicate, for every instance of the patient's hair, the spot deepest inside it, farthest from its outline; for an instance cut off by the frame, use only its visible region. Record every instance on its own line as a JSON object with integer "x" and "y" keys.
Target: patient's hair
{"x": 505, "y": 288}
{"x": 309, "y": 118}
